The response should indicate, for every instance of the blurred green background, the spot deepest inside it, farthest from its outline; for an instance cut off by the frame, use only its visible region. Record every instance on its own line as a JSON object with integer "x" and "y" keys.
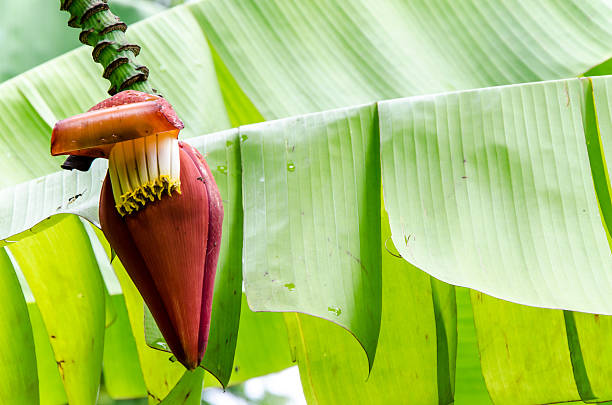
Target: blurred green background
{"x": 24, "y": 47}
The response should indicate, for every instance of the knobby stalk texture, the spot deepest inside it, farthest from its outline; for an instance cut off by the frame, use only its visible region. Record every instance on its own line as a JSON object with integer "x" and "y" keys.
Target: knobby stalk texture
{"x": 105, "y": 32}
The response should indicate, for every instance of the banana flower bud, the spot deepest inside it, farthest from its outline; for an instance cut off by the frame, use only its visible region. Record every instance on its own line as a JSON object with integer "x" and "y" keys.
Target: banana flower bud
{"x": 160, "y": 210}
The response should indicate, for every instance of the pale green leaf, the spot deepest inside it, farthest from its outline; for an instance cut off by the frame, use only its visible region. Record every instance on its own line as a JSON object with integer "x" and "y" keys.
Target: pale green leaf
{"x": 292, "y": 57}
{"x": 18, "y": 372}
{"x": 122, "y": 374}
{"x": 519, "y": 367}
{"x": 412, "y": 346}
{"x": 470, "y": 388}
{"x": 350, "y": 52}
{"x": 188, "y": 390}
{"x": 69, "y": 292}
{"x": 51, "y": 388}
{"x": 519, "y": 218}
{"x": 311, "y": 190}
{"x": 29, "y": 205}
{"x": 262, "y": 346}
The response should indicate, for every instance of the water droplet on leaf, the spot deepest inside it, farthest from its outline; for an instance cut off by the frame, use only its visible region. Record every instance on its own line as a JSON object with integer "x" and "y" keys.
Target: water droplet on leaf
{"x": 335, "y": 310}
{"x": 161, "y": 345}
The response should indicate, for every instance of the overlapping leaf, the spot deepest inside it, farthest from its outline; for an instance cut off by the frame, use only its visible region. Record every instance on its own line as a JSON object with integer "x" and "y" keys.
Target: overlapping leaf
{"x": 262, "y": 346}
{"x": 470, "y": 386}
{"x": 519, "y": 218}
{"x": 292, "y": 58}
{"x": 18, "y": 371}
{"x": 312, "y": 219}
{"x": 50, "y": 385}
{"x": 332, "y": 370}
{"x": 537, "y": 366}
{"x": 69, "y": 292}
{"x": 123, "y": 376}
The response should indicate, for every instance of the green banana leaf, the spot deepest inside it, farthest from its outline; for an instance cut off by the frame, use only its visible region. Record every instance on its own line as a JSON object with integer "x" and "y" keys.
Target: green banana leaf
{"x": 262, "y": 346}
{"x": 333, "y": 371}
{"x": 50, "y": 385}
{"x": 274, "y": 59}
{"x": 312, "y": 233}
{"x": 184, "y": 392}
{"x": 293, "y": 58}
{"x": 470, "y": 386}
{"x": 18, "y": 371}
{"x": 520, "y": 218}
{"x": 69, "y": 292}
{"x": 123, "y": 377}
{"x": 359, "y": 60}
{"x": 539, "y": 366}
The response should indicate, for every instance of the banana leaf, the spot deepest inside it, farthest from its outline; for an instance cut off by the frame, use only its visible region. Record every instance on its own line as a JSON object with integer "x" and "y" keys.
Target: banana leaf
{"x": 267, "y": 60}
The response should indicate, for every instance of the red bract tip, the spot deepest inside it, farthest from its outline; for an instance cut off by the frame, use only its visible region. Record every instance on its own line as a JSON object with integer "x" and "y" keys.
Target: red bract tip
{"x": 125, "y": 116}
